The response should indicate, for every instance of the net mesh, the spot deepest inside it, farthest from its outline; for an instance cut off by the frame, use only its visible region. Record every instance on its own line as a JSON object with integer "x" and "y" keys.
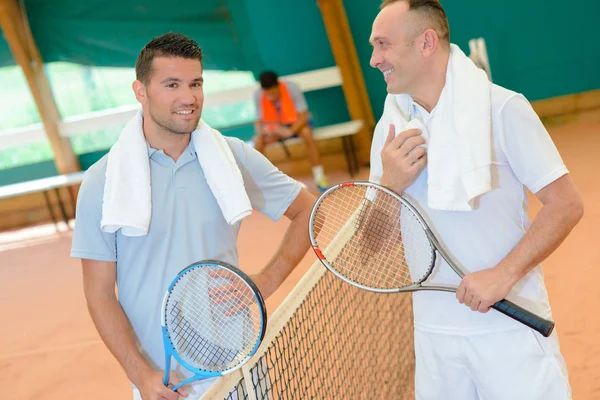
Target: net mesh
{"x": 333, "y": 341}
{"x": 372, "y": 238}
{"x": 212, "y": 318}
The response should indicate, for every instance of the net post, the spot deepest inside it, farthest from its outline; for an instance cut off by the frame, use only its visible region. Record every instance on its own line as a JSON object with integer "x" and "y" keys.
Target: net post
{"x": 248, "y": 380}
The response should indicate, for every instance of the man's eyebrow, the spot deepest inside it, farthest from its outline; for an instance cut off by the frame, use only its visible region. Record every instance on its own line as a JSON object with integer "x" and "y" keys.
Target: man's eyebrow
{"x": 170, "y": 79}
{"x": 376, "y": 38}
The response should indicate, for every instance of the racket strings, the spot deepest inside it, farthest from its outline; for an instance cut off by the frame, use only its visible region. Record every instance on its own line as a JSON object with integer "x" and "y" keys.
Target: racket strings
{"x": 201, "y": 331}
{"x": 195, "y": 346}
{"x": 371, "y": 238}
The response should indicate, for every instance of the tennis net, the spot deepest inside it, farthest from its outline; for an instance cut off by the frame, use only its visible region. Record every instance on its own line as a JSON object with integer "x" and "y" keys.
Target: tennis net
{"x": 329, "y": 340}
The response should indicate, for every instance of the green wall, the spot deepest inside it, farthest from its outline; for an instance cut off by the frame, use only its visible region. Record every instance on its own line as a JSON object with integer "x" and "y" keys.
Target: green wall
{"x": 111, "y": 33}
{"x": 539, "y": 48}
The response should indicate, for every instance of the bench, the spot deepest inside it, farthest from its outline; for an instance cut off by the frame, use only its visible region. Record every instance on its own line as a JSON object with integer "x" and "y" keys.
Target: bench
{"x": 344, "y": 130}
{"x": 45, "y": 186}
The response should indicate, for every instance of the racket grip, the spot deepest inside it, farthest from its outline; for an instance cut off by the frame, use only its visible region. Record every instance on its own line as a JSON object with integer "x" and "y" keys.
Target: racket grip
{"x": 543, "y": 326}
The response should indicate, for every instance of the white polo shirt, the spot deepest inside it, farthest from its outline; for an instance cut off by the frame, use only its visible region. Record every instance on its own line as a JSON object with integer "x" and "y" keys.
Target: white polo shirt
{"x": 523, "y": 157}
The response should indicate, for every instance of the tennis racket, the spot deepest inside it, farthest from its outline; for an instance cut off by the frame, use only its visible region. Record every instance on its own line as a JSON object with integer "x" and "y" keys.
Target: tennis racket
{"x": 213, "y": 320}
{"x": 374, "y": 239}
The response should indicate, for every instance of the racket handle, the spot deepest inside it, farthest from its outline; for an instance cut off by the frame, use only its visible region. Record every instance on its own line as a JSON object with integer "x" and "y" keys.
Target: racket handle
{"x": 543, "y": 326}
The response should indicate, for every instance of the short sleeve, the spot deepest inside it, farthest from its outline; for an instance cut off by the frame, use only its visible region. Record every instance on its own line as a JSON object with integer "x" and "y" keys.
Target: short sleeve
{"x": 297, "y": 97}
{"x": 528, "y": 147}
{"x": 89, "y": 241}
{"x": 271, "y": 192}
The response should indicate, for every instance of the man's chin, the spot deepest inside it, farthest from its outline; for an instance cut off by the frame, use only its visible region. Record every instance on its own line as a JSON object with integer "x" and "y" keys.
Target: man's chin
{"x": 393, "y": 90}
{"x": 186, "y": 128}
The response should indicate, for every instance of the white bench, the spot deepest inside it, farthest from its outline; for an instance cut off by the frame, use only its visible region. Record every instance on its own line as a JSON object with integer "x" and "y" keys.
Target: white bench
{"x": 344, "y": 130}
{"x": 45, "y": 186}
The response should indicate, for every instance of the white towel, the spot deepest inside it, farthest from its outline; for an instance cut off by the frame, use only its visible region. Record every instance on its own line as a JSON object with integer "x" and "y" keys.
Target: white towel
{"x": 459, "y": 142}
{"x": 127, "y": 202}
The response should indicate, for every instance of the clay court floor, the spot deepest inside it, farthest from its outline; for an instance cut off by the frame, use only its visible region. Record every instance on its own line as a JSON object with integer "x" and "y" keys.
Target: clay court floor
{"x": 49, "y": 348}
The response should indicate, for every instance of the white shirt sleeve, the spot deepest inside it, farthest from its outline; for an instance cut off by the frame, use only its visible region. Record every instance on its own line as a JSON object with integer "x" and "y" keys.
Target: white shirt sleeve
{"x": 528, "y": 147}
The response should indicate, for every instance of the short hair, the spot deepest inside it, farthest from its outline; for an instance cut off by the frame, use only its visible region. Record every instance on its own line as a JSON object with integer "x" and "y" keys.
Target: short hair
{"x": 168, "y": 45}
{"x": 431, "y": 11}
{"x": 268, "y": 79}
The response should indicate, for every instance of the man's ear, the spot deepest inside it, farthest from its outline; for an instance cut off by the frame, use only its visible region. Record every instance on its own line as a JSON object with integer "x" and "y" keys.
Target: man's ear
{"x": 430, "y": 42}
{"x": 139, "y": 90}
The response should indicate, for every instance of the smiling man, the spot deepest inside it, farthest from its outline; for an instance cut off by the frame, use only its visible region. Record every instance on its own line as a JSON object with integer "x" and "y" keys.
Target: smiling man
{"x": 188, "y": 222}
{"x": 477, "y": 150}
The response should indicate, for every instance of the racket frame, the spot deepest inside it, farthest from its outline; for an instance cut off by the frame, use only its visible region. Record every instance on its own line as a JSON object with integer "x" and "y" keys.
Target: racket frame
{"x": 410, "y": 288}
{"x": 168, "y": 344}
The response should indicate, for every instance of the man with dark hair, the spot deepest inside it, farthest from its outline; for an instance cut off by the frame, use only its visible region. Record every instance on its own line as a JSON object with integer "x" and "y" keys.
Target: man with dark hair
{"x": 282, "y": 113}
{"x": 172, "y": 191}
{"x": 168, "y": 45}
{"x": 465, "y": 151}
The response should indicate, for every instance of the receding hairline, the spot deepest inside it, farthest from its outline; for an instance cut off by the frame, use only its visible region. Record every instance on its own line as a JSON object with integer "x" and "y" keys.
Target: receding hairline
{"x": 376, "y": 31}
{"x": 428, "y": 18}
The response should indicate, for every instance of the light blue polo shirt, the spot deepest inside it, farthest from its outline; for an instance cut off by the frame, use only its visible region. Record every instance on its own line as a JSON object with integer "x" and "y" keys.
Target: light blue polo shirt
{"x": 186, "y": 226}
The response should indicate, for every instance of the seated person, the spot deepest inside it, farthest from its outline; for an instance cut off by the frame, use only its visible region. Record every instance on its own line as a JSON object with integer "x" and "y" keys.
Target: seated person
{"x": 282, "y": 113}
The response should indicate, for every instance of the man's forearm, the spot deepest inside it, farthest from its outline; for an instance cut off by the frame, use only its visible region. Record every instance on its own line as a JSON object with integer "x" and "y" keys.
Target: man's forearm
{"x": 259, "y": 127}
{"x": 116, "y": 332}
{"x": 549, "y": 228}
{"x": 300, "y": 123}
{"x": 292, "y": 249}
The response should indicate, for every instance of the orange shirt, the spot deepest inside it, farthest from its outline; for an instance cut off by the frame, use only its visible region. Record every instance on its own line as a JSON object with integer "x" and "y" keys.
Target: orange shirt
{"x": 287, "y": 110}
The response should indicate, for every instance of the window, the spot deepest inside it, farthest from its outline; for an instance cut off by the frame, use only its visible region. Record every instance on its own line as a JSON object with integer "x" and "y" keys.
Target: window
{"x": 81, "y": 89}
{"x": 19, "y": 110}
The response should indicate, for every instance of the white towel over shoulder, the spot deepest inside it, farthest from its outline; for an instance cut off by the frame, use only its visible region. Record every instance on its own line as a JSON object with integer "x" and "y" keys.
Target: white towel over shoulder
{"x": 127, "y": 201}
{"x": 459, "y": 139}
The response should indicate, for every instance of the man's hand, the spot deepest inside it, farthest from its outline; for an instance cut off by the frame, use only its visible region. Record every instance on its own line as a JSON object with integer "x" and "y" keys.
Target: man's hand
{"x": 237, "y": 293}
{"x": 152, "y": 387}
{"x": 482, "y": 289}
{"x": 284, "y": 132}
{"x": 267, "y": 128}
{"x": 402, "y": 160}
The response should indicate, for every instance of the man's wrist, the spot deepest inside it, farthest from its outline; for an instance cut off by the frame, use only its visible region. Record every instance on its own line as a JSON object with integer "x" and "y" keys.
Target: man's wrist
{"x": 387, "y": 184}
{"x": 509, "y": 273}
{"x": 138, "y": 374}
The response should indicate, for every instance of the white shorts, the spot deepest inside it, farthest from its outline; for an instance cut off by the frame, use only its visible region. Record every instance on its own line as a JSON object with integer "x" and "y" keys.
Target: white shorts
{"x": 514, "y": 365}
